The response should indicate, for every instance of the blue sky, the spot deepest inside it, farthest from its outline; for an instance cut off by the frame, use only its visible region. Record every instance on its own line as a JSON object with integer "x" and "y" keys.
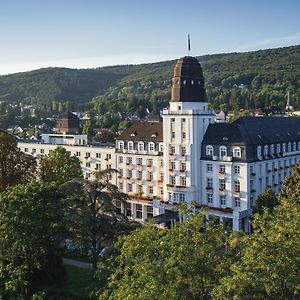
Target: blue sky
{"x": 93, "y": 33}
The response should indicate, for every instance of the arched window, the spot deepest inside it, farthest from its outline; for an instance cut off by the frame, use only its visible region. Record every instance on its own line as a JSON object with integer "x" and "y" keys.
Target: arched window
{"x": 289, "y": 147}
{"x": 130, "y": 145}
{"x": 222, "y": 151}
{"x": 265, "y": 150}
{"x": 141, "y": 146}
{"x": 283, "y": 148}
{"x": 121, "y": 145}
{"x": 237, "y": 152}
{"x": 209, "y": 150}
{"x": 278, "y": 148}
{"x": 258, "y": 152}
{"x": 151, "y": 146}
{"x": 294, "y": 146}
{"x": 272, "y": 149}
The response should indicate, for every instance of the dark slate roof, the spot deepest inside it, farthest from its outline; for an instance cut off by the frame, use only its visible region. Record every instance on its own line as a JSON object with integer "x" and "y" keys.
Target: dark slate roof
{"x": 143, "y": 131}
{"x": 254, "y": 131}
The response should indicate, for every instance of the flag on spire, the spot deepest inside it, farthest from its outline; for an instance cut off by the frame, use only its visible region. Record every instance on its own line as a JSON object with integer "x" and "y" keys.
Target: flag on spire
{"x": 189, "y": 43}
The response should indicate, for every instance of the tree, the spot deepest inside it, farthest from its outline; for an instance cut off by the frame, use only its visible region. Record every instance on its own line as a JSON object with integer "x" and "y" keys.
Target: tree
{"x": 88, "y": 130}
{"x": 59, "y": 166}
{"x": 182, "y": 262}
{"x": 28, "y": 238}
{"x": 93, "y": 210}
{"x": 266, "y": 200}
{"x": 15, "y": 166}
{"x": 267, "y": 265}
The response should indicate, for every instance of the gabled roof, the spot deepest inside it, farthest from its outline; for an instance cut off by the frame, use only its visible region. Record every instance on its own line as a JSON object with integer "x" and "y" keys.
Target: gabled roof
{"x": 143, "y": 131}
{"x": 254, "y": 130}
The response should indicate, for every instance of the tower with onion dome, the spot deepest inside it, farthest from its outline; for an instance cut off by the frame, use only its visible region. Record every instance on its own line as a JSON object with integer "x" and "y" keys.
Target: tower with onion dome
{"x": 184, "y": 125}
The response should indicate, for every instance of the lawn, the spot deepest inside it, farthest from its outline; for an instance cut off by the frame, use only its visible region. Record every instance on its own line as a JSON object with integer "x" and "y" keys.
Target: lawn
{"x": 80, "y": 282}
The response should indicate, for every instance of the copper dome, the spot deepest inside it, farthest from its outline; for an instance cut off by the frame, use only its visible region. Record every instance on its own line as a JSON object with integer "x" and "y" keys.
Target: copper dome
{"x": 188, "y": 81}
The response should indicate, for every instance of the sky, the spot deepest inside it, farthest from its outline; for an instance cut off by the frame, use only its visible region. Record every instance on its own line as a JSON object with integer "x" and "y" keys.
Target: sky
{"x": 96, "y": 33}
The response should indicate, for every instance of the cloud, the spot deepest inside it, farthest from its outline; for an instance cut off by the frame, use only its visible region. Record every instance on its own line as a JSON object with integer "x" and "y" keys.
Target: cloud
{"x": 271, "y": 43}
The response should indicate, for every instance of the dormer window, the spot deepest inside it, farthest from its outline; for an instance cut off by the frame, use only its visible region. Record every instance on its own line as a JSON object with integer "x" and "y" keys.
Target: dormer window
{"x": 278, "y": 148}
{"x": 289, "y": 147}
{"x": 154, "y": 134}
{"x": 283, "y": 147}
{"x": 258, "y": 152}
{"x": 151, "y": 146}
{"x": 294, "y": 146}
{"x": 192, "y": 82}
{"x": 209, "y": 150}
{"x": 223, "y": 151}
{"x": 237, "y": 152}
{"x": 272, "y": 149}
{"x": 184, "y": 82}
{"x": 133, "y": 134}
{"x": 141, "y": 146}
{"x": 121, "y": 145}
{"x": 265, "y": 150}
{"x": 130, "y": 145}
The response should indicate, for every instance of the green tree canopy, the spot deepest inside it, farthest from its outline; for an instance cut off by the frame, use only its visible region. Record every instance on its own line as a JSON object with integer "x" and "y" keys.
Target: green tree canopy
{"x": 28, "y": 237}
{"x": 15, "y": 166}
{"x": 59, "y": 166}
{"x": 182, "y": 262}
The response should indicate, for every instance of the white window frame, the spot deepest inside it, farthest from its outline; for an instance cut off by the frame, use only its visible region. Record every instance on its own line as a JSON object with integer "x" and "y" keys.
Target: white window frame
{"x": 209, "y": 150}
{"x": 223, "y": 151}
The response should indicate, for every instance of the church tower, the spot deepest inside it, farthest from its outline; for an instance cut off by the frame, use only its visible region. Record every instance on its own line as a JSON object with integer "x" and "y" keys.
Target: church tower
{"x": 184, "y": 125}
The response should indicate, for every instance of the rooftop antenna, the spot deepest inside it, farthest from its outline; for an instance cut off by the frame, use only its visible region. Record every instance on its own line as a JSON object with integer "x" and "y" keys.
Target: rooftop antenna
{"x": 189, "y": 45}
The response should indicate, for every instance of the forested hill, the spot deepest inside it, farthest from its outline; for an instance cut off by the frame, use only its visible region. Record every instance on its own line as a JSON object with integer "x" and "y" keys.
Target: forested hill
{"x": 252, "y": 79}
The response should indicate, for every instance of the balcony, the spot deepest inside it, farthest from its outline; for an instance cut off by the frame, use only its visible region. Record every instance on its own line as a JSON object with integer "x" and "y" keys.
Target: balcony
{"x": 171, "y": 154}
{"x": 253, "y": 191}
{"x": 209, "y": 188}
{"x": 253, "y": 174}
{"x": 182, "y": 171}
{"x": 236, "y": 193}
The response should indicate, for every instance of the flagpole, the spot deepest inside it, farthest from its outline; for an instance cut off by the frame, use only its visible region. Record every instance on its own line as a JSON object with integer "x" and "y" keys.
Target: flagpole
{"x": 189, "y": 45}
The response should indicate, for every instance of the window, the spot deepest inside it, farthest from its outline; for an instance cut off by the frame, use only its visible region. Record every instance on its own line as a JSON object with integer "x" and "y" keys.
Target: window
{"x": 42, "y": 151}
{"x": 183, "y": 181}
{"x": 87, "y": 175}
{"x": 140, "y": 189}
{"x": 139, "y": 161}
{"x": 172, "y": 149}
{"x": 209, "y": 150}
{"x": 294, "y": 146}
{"x": 183, "y": 166}
{"x": 121, "y": 186}
{"x": 223, "y": 151}
{"x": 98, "y": 155}
{"x": 149, "y": 211}
{"x": 289, "y": 147}
{"x": 129, "y": 160}
{"x": 161, "y": 176}
{"x": 87, "y": 154}
{"x": 130, "y": 146}
{"x": 151, "y": 147}
{"x": 183, "y": 135}
{"x": 26, "y": 150}
{"x": 209, "y": 182}
{"x": 181, "y": 197}
{"x": 183, "y": 150}
{"x": 140, "y": 175}
{"x": 138, "y": 211}
{"x": 118, "y": 206}
{"x": 173, "y": 134}
{"x": 265, "y": 150}
{"x": 237, "y": 186}
{"x": 141, "y": 146}
{"x": 237, "y": 202}
{"x": 121, "y": 145}
{"x": 237, "y": 169}
{"x": 149, "y": 162}
{"x": 209, "y": 167}
{"x": 283, "y": 147}
{"x": 172, "y": 180}
{"x": 88, "y": 165}
{"x": 128, "y": 209}
{"x": 222, "y": 184}
{"x": 150, "y": 189}
{"x": 209, "y": 198}
{"x": 222, "y": 169}
{"x": 33, "y": 151}
{"x": 121, "y": 159}
{"x": 172, "y": 165}
{"x": 237, "y": 152}
{"x": 222, "y": 200}
{"x": 77, "y": 154}
{"x": 98, "y": 167}
{"x": 120, "y": 172}
{"x": 278, "y": 148}
{"x": 258, "y": 152}
{"x": 129, "y": 187}
{"x": 129, "y": 173}
{"x": 150, "y": 176}
{"x": 272, "y": 150}
{"x": 108, "y": 156}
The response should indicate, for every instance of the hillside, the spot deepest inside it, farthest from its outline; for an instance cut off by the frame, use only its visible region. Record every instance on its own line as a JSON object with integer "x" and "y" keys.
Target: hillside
{"x": 234, "y": 80}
